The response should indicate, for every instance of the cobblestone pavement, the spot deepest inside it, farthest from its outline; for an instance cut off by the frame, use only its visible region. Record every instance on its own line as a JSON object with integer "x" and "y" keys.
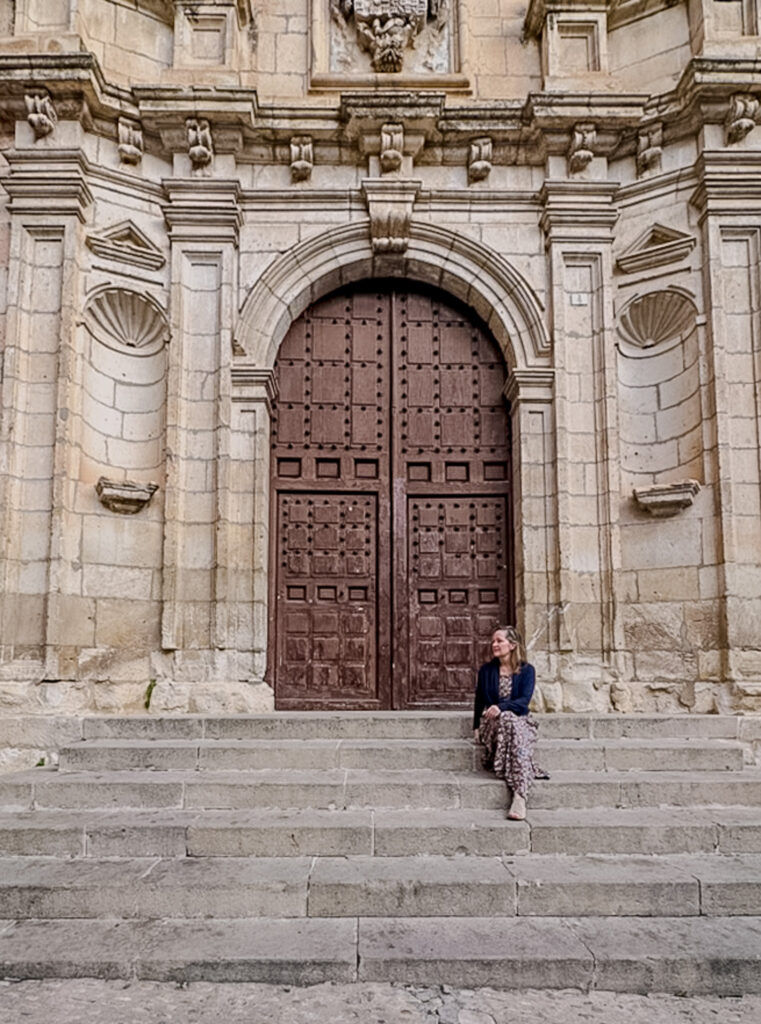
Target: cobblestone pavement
{"x": 104, "y": 1002}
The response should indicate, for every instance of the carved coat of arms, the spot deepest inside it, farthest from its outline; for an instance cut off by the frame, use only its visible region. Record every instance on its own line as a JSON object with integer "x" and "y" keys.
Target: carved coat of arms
{"x": 386, "y": 28}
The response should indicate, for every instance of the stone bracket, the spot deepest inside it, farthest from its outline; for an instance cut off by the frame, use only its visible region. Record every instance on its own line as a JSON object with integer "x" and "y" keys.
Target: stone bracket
{"x": 665, "y": 500}
{"x": 390, "y": 204}
{"x": 124, "y": 496}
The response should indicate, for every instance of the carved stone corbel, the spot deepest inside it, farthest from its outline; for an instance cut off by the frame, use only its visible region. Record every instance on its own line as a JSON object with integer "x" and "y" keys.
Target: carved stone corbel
{"x": 302, "y": 157}
{"x": 390, "y": 204}
{"x": 581, "y": 150}
{"x": 130, "y": 141}
{"x": 392, "y": 147}
{"x": 41, "y": 113}
{"x": 742, "y": 117}
{"x": 480, "y": 159}
{"x": 124, "y": 497}
{"x": 200, "y": 144}
{"x": 649, "y": 149}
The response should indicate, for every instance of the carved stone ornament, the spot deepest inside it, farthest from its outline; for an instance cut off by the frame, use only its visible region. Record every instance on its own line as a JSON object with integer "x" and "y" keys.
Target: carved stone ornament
{"x": 392, "y": 147}
{"x": 649, "y": 149}
{"x": 581, "y": 150}
{"x": 302, "y": 157}
{"x": 657, "y": 318}
{"x": 123, "y": 319}
{"x": 41, "y": 113}
{"x": 742, "y": 117}
{"x": 664, "y": 500}
{"x": 124, "y": 496}
{"x": 658, "y": 246}
{"x": 390, "y": 204}
{"x": 200, "y": 144}
{"x": 387, "y": 28}
{"x": 126, "y": 243}
{"x": 130, "y": 141}
{"x": 480, "y": 159}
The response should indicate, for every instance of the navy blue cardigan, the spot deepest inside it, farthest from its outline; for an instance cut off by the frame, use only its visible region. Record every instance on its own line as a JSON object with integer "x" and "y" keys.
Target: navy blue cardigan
{"x": 487, "y": 690}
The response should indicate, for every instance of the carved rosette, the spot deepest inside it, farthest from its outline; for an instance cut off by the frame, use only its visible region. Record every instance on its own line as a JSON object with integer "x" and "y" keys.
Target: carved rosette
{"x": 126, "y": 320}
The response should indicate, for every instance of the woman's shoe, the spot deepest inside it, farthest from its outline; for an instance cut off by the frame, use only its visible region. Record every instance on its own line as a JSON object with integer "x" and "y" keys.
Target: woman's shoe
{"x": 517, "y": 810}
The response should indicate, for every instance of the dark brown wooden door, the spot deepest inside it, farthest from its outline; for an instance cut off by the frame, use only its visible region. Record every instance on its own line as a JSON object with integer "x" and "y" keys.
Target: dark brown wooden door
{"x": 391, "y": 503}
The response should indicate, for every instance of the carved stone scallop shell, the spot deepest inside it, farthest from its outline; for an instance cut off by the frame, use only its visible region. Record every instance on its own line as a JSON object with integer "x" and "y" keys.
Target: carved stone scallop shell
{"x": 123, "y": 319}
{"x": 656, "y": 319}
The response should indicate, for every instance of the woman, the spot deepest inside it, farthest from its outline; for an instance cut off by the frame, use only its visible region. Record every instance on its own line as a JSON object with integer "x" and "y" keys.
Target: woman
{"x": 501, "y": 718}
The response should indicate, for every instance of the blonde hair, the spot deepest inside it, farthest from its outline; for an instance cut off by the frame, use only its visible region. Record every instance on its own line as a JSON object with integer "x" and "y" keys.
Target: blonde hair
{"x": 518, "y": 656}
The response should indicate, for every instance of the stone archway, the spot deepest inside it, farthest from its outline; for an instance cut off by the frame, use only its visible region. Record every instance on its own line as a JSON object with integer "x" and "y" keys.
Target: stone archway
{"x": 508, "y": 308}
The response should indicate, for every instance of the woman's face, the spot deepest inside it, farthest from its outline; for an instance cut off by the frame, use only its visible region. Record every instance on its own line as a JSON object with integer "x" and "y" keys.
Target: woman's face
{"x": 501, "y": 647}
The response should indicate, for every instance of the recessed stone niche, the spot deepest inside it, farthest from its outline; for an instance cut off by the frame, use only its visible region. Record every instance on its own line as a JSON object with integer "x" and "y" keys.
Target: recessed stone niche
{"x": 124, "y": 378}
{"x": 661, "y": 421}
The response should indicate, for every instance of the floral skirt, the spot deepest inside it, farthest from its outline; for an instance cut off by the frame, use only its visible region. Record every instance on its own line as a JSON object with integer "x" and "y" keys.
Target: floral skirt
{"x": 509, "y": 742}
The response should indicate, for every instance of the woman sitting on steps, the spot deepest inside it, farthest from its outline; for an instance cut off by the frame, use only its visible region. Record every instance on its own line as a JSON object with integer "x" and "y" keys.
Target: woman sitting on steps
{"x": 501, "y": 718}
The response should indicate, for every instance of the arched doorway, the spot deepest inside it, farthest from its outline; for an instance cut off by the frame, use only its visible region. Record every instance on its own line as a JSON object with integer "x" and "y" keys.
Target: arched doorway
{"x": 391, "y": 513}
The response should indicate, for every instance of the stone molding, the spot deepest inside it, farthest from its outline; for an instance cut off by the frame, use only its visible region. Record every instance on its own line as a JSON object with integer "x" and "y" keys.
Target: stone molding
{"x": 252, "y": 385}
{"x": 207, "y": 210}
{"x": 532, "y": 385}
{"x": 729, "y": 182}
{"x": 656, "y": 247}
{"x": 578, "y": 211}
{"x": 126, "y": 243}
{"x": 472, "y": 272}
{"x": 48, "y": 183}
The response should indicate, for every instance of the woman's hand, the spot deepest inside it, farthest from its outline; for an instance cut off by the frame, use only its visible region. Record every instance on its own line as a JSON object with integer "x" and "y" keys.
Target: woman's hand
{"x": 492, "y": 712}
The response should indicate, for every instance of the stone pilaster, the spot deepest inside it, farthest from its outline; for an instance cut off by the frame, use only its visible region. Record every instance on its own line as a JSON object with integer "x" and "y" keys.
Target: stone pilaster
{"x": 578, "y": 219}
{"x": 728, "y": 199}
{"x": 199, "y": 624}
{"x": 44, "y": 617}
{"x": 531, "y": 397}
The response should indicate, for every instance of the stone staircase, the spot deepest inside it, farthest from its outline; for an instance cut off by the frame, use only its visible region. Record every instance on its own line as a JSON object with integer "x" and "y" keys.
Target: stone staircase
{"x": 302, "y": 848}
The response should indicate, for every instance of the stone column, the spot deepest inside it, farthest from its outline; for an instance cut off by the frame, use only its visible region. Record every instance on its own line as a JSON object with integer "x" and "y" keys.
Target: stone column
{"x": 40, "y": 577}
{"x": 578, "y": 219}
{"x": 198, "y": 624}
{"x": 728, "y": 201}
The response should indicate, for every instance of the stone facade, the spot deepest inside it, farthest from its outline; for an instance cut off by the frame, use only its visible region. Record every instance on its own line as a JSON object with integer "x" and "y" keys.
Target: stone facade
{"x": 181, "y": 179}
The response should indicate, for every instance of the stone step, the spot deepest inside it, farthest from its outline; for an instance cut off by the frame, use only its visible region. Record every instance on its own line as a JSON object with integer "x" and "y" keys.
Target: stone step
{"x": 310, "y": 832}
{"x": 698, "y": 955}
{"x": 345, "y": 788}
{"x": 385, "y": 754}
{"x": 411, "y": 725}
{"x": 416, "y": 886}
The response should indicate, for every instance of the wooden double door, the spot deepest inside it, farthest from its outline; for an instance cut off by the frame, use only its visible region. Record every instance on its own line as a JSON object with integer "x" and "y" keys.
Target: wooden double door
{"x": 391, "y": 520}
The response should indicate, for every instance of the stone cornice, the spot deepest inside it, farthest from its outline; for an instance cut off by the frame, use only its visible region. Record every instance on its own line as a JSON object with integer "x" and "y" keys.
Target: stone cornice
{"x": 203, "y": 210}
{"x": 578, "y": 211}
{"x": 48, "y": 182}
{"x": 253, "y": 384}
{"x": 729, "y": 182}
{"x": 523, "y": 131}
{"x": 536, "y": 384}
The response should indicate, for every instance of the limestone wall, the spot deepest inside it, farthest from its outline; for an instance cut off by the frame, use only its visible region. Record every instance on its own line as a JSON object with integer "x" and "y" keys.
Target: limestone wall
{"x": 182, "y": 179}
